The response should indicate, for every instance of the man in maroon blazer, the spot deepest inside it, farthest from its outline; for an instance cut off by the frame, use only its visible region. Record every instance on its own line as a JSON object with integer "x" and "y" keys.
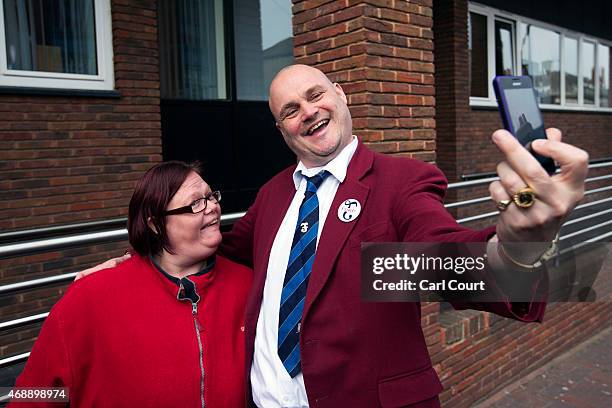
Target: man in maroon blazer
{"x": 352, "y": 353}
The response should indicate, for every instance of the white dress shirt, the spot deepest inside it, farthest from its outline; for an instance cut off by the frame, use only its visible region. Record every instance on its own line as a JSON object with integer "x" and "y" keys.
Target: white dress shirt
{"x": 272, "y": 385}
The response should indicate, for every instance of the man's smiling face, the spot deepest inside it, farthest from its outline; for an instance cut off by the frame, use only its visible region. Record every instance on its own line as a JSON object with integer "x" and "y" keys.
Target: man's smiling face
{"x": 311, "y": 113}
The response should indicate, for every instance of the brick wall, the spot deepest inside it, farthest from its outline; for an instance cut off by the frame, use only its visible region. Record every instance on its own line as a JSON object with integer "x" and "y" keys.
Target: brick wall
{"x": 477, "y": 353}
{"x": 66, "y": 159}
{"x": 492, "y": 352}
{"x": 381, "y": 52}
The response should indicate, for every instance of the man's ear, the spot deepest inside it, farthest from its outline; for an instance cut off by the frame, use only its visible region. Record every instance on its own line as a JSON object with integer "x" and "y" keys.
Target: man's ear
{"x": 280, "y": 129}
{"x": 340, "y": 92}
{"x": 152, "y": 226}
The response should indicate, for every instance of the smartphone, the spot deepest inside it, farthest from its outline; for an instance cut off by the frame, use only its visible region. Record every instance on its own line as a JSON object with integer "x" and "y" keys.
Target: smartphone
{"x": 520, "y": 113}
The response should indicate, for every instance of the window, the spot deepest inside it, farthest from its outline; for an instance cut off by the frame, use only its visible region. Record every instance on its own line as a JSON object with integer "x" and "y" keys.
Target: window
{"x": 195, "y": 52}
{"x": 570, "y": 61}
{"x": 192, "y": 50}
{"x": 217, "y": 58}
{"x": 588, "y": 72}
{"x": 264, "y": 45}
{"x": 56, "y": 44}
{"x": 569, "y": 70}
{"x": 541, "y": 60}
{"x": 477, "y": 45}
{"x": 603, "y": 64}
{"x": 504, "y": 48}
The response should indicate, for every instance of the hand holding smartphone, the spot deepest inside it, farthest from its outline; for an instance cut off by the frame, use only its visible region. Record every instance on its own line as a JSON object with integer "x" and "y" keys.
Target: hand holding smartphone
{"x": 520, "y": 114}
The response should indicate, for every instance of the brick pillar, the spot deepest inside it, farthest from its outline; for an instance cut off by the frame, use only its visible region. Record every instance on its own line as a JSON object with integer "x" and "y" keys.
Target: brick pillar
{"x": 452, "y": 86}
{"x": 381, "y": 52}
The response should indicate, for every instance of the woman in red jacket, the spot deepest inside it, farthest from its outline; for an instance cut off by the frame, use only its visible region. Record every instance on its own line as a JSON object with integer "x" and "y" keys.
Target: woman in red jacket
{"x": 163, "y": 329}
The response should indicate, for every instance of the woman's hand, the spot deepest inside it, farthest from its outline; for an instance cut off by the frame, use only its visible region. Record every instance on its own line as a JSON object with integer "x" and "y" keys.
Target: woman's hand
{"x": 111, "y": 263}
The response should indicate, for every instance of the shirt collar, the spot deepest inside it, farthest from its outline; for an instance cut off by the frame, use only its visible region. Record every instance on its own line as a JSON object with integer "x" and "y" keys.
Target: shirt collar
{"x": 186, "y": 288}
{"x": 337, "y": 167}
{"x": 207, "y": 267}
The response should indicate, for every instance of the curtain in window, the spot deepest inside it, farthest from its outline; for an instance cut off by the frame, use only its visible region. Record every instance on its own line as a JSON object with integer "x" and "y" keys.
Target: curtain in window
{"x": 478, "y": 60}
{"x": 192, "y": 58}
{"x": 51, "y": 36}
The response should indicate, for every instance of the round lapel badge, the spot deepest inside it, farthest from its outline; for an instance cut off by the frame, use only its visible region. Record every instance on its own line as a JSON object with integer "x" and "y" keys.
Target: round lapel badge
{"x": 349, "y": 210}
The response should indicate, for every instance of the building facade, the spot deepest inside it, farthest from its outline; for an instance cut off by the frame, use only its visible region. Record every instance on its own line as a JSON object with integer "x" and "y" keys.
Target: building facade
{"x": 93, "y": 93}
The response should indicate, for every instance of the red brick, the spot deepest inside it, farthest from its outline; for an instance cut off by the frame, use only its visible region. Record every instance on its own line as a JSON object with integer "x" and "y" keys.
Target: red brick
{"x": 381, "y": 123}
{"x": 409, "y": 100}
{"x": 348, "y": 13}
{"x": 419, "y": 20}
{"x": 379, "y": 74}
{"x": 407, "y": 30}
{"x": 393, "y": 15}
{"x": 377, "y": 25}
{"x": 396, "y": 87}
{"x": 333, "y": 31}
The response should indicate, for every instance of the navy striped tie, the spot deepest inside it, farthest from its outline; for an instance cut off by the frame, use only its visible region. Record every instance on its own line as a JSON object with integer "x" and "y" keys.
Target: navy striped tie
{"x": 299, "y": 266}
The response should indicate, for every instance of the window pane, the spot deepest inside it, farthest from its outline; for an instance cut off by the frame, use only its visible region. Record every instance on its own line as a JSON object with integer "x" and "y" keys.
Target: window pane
{"x": 51, "y": 36}
{"x": 264, "y": 44}
{"x": 603, "y": 56}
{"x": 192, "y": 49}
{"x": 540, "y": 60}
{"x": 588, "y": 72}
{"x": 504, "y": 48}
{"x": 477, "y": 44}
{"x": 570, "y": 64}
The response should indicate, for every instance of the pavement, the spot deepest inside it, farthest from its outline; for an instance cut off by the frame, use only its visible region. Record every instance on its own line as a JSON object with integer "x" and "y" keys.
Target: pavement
{"x": 579, "y": 378}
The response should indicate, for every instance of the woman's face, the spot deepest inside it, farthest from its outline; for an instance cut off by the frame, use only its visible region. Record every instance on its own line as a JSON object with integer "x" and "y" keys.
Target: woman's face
{"x": 193, "y": 237}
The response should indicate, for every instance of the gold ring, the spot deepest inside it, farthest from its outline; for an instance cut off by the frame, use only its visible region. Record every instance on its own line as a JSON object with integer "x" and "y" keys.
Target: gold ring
{"x": 502, "y": 205}
{"x": 524, "y": 198}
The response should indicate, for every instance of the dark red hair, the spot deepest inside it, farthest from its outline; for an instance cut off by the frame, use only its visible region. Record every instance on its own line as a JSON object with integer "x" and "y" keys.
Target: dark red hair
{"x": 150, "y": 199}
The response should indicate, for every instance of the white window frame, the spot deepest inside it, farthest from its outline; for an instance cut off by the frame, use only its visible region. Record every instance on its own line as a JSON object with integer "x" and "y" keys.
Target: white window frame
{"x": 585, "y": 39}
{"x": 103, "y": 81}
{"x": 597, "y": 87}
{"x": 493, "y": 14}
{"x": 576, "y": 38}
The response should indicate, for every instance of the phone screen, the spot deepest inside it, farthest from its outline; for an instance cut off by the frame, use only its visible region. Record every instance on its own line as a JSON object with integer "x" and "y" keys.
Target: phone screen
{"x": 523, "y": 110}
{"x": 520, "y": 113}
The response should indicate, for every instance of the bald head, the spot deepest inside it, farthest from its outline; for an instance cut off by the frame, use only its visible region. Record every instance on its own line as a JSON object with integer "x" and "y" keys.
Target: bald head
{"x": 291, "y": 72}
{"x": 311, "y": 113}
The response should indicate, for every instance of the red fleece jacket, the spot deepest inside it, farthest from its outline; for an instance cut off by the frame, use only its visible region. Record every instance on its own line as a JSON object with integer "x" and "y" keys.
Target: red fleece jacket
{"x": 120, "y": 338}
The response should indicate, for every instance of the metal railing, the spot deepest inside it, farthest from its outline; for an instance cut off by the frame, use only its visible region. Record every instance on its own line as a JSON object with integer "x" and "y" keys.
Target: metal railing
{"x": 44, "y": 232}
{"x": 89, "y": 238}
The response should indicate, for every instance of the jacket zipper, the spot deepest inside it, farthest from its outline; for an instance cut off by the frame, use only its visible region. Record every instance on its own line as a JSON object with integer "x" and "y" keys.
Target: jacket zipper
{"x": 194, "y": 311}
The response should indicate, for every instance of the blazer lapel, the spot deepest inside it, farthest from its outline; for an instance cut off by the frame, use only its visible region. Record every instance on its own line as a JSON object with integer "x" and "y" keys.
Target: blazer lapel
{"x": 336, "y": 232}
{"x": 271, "y": 221}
